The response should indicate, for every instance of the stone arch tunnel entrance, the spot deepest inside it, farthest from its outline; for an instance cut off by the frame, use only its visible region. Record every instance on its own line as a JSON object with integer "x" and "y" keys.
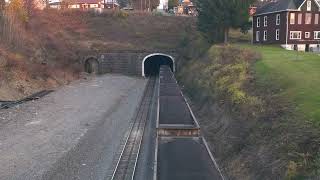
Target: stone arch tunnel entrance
{"x": 151, "y": 63}
{"x": 91, "y": 66}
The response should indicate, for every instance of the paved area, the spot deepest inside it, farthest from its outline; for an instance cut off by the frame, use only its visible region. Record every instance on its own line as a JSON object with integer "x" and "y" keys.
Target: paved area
{"x": 185, "y": 159}
{"x": 72, "y": 133}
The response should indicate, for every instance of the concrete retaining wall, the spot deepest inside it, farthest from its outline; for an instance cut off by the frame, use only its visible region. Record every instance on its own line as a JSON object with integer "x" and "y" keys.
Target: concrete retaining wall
{"x": 126, "y": 62}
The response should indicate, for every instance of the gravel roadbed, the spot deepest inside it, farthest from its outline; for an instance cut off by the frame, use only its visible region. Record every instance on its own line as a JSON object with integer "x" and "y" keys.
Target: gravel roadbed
{"x": 35, "y": 136}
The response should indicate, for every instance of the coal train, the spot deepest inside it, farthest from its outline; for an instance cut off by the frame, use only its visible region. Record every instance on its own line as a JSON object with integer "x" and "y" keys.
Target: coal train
{"x": 181, "y": 152}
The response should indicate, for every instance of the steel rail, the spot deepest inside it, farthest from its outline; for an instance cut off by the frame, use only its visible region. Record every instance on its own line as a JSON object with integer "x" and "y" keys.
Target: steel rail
{"x": 126, "y": 165}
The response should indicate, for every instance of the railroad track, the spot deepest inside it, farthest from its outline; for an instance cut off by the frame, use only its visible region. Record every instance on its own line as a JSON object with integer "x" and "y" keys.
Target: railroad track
{"x": 126, "y": 165}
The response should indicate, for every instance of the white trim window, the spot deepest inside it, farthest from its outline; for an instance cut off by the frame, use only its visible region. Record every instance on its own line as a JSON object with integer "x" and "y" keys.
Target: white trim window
{"x": 265, "y": 36}
{"x": 309, "y": 5}
{"x": 308, "y": 18}
{"x": 316, "y": 19}
{"x": 292, "y": 18}
{"x": 258, "y": 21}
{"x": 295, "y": 34}
{"x": 277, "y": 34}
{"x": 316, "y": 34}
{"x": 265, "y": 21}
{"x": 278, "y": 19}
{"x": 257, "y": 36}
{"x": 307, "y": 35}
{"x": 300, "y": 18}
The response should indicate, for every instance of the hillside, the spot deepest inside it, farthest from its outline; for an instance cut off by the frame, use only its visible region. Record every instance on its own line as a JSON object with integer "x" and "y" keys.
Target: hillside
{"x": 259, "y": 109}
{"x": 53, "y": 44}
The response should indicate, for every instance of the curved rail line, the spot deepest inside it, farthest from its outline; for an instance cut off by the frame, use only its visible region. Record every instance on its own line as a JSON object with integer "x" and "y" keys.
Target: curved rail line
{"x": 126, "y": 165}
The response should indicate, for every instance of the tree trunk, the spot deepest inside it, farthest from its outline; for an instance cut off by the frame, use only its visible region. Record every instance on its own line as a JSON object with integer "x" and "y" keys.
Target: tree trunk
{"x": 226, "y": 35}
{"x": 2, "y": 6}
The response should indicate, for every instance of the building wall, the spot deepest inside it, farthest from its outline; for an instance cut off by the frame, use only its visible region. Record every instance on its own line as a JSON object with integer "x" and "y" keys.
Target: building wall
{"x": 94, "y": 5}
{"x": 270, "y": 28}
{"x": 74, "y": 6}
{"x": 303, "y": 27}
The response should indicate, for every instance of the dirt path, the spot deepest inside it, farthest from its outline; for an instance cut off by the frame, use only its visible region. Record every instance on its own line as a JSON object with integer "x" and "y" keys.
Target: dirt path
{"x": 54, "y": 137}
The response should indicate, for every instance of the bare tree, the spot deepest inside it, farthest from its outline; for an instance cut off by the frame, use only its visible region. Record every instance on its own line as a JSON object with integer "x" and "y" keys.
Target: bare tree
{"x": 2, "y": 6}
{"x": 13, "y": 22}
{"x": 29, "y": 7}
{"x": 144, "y": 5}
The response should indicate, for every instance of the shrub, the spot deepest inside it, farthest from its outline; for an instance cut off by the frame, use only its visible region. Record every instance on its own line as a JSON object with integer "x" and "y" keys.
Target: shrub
{"x": 222, "y": 76}
{"x": 120, "y": 14}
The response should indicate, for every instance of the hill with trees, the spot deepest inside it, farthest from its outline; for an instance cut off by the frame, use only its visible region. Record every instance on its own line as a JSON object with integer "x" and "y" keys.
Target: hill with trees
{"x": 46, "y": 53}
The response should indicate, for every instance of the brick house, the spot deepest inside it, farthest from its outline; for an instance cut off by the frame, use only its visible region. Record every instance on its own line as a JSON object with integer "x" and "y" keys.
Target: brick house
{"x": 294, "y": 24}
{"x": 86, "y": 4}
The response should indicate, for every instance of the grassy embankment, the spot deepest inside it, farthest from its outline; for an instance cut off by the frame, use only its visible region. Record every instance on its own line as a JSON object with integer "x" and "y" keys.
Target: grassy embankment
{"x": 297, "y": 73}
{"x": 259, "y": 106}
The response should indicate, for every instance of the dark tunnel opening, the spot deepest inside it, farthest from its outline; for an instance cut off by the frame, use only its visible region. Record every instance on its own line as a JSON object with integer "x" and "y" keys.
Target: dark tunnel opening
{"x": 91, "y": 66}
{"x": 152, "y": 64}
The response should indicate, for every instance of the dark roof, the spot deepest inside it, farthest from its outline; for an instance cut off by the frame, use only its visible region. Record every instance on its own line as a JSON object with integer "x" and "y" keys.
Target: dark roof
{"x": 86, "y": 1}
{"x": 280, "y": 5}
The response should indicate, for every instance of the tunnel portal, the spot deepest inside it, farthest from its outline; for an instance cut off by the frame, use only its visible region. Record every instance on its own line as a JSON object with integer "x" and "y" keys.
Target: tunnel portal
{"x": 151, "y": 64}
{"x": 91, "y": 66}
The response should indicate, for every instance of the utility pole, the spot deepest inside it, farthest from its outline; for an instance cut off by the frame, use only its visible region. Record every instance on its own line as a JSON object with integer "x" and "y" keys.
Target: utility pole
{"x": 149, "y": 9}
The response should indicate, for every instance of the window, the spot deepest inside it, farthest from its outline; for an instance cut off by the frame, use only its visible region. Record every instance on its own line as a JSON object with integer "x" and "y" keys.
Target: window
{"x": 309, "y": 5}
{"x": 300, "y": 18}
{"x": 258, "y": 21}
{"x": 308, "y": 18}
{"x": 317, "y": 35}
{"x": 307, "y": 35}
{"x": 277, "y": 34}
{"x": 316, "y": 19}
{"x": 265, "y": 21}
{"x": 278, "y": 19}
{"x": 264, "y": 35}
{"x": 258, "y": 36}
{"x": 295, "y": 34}
{"x": 292, "y": 18}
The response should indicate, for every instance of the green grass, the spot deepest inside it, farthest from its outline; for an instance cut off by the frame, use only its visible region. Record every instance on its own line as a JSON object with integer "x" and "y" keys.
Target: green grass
{"x": 235, "y": 35}
{"x": 296, "y": 73}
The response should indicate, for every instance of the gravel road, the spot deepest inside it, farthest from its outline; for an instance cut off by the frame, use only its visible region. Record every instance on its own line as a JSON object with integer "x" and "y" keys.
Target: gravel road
{"x": 72, "y": 133}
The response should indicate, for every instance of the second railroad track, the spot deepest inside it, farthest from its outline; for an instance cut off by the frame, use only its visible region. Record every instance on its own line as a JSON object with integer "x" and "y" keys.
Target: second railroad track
{"x": 126, "y": 165}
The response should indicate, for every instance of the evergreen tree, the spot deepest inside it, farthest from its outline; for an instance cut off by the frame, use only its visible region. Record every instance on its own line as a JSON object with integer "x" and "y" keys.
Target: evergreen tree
{"x": 216, "y": 17}
{"x": 173, "y": 3}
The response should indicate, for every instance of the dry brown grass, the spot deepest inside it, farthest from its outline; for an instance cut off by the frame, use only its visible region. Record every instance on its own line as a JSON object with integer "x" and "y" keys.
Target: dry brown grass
{"x": 55, "y": 42}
